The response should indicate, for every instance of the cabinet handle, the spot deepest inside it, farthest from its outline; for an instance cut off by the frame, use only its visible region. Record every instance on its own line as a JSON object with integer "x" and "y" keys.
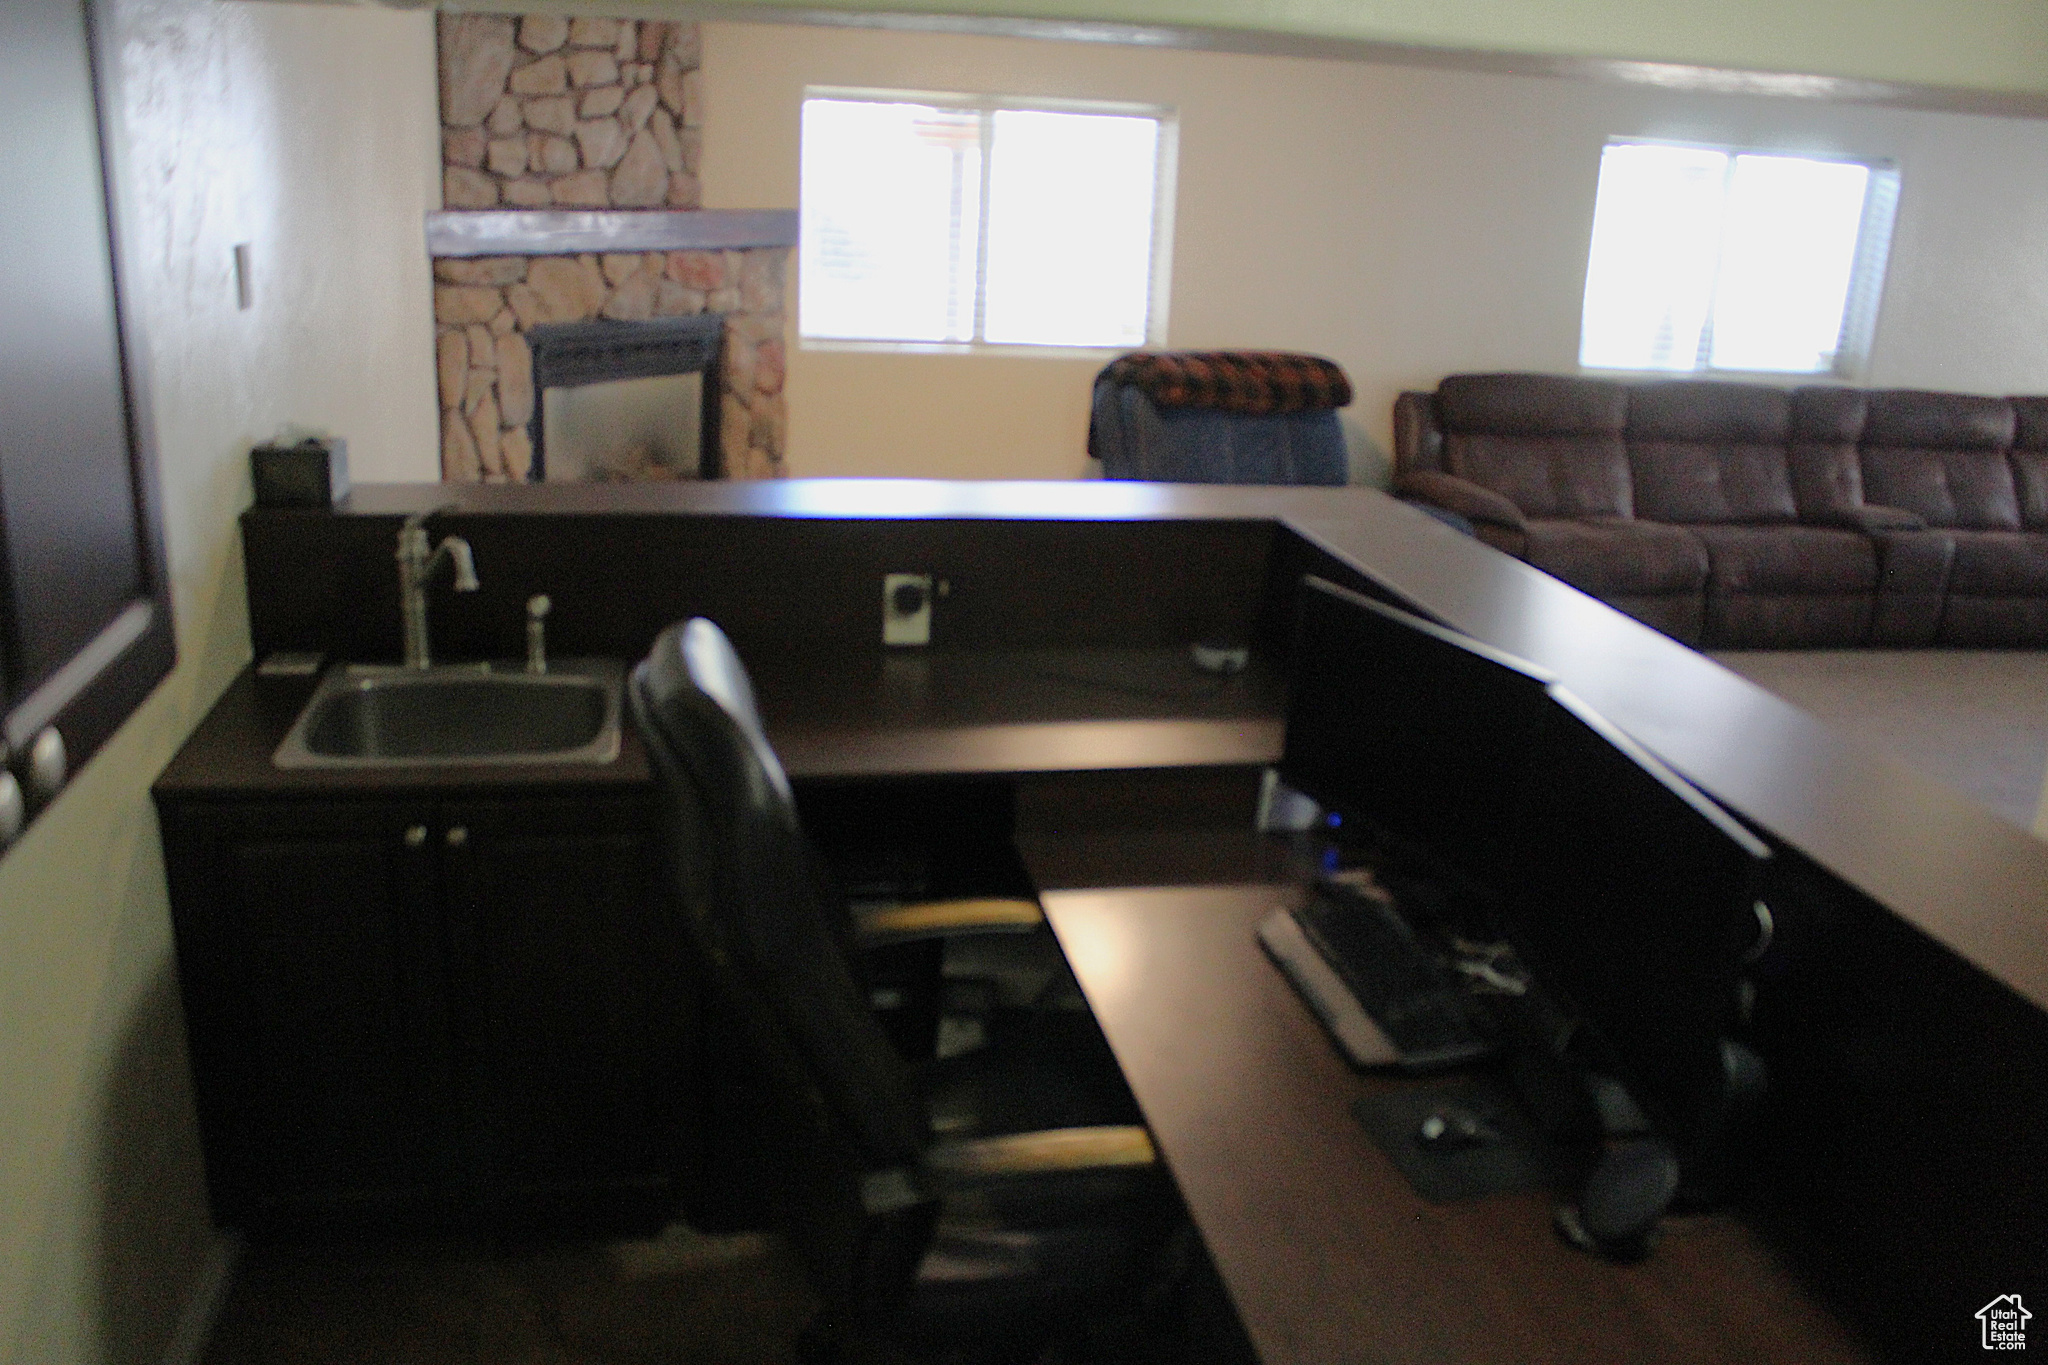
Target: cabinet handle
{"x": 457, "y": 836}
{"x": 47, "y": 763}
{"x": 416, "y": 836}
{"x": 13, "y": 808}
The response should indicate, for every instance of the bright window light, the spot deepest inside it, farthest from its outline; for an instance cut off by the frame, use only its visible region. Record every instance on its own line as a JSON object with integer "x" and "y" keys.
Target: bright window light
{"x": 1712, "y": 259}
{"x": 952, "y": 220}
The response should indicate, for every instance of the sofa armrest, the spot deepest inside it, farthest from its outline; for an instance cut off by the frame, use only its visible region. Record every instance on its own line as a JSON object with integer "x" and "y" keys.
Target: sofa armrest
{"x": 1418, "y": 441}
{"x": 1873, "y": 518}
{"x": 1462, "y": 496}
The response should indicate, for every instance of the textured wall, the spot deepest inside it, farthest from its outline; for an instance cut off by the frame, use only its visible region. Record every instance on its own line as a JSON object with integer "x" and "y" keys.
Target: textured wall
{"x": 271, "y": 125}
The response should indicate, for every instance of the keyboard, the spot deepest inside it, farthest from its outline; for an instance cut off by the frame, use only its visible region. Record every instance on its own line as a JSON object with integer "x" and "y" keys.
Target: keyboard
{"x": 1384, "y": 997}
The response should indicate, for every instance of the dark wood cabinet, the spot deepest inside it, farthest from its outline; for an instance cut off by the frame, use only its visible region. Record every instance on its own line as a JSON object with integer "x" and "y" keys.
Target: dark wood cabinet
{"x": 434, "y": 1012}
{"x": 569, "y": 1006}
{"x": 308, "y": 945}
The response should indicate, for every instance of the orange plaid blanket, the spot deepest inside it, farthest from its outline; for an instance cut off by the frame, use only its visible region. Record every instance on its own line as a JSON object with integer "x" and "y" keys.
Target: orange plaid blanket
{"x": 1256, "y": 383}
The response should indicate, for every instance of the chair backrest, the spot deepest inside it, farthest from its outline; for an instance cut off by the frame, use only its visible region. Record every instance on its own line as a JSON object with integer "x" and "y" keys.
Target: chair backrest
{"x": 1554, "y": 445}
{"x": 1942, "y": 455}
{"x": 1706, "y": 451}
{"x": 1826, "y": 421}
{"x": 1246, "y": 417}
{"x": 773, "y": 934}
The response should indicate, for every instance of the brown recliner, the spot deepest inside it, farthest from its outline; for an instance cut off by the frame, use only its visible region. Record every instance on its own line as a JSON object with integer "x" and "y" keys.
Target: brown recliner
{"x": 1955, "y": 460}
{"x": 1539, "y": 465}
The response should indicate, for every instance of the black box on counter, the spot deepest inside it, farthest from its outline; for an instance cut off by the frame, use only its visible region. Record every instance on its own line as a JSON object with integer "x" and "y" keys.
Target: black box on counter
{"x": 313, "y": 473}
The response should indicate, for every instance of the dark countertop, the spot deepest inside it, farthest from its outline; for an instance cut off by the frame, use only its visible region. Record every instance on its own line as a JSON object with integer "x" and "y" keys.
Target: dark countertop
{"x": 1944, "y": 864}
{"x": 844, "y": 499}
{"x": 946, "y": 712}
{"x": 1014, "y": 711}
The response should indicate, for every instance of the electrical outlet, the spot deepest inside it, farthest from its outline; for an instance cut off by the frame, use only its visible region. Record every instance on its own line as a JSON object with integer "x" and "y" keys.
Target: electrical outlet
{"x": 907, "y": 609}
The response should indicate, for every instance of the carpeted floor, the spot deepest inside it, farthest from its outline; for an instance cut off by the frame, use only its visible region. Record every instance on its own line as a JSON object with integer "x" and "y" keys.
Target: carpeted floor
{"x": 1975, "y": 719}
{"x": 477, "y": 1304}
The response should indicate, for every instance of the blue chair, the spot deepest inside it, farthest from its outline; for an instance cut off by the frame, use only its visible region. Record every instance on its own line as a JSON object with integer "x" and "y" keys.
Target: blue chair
{"x": 1135, "y": 438}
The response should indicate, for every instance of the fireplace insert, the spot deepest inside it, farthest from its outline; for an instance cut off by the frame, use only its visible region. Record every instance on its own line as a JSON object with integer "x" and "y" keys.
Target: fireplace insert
{"x": 623, "y": 401}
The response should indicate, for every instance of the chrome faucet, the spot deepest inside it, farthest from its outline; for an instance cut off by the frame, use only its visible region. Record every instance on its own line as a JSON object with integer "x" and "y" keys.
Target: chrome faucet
{"x": 416, "y": 564}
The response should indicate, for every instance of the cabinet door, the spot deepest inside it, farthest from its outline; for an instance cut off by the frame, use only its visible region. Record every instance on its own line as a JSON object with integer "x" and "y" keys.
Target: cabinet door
{"x": 85, "y": 625}
{"x": 572, "y": 1002}
{"x": 308, "y": 956}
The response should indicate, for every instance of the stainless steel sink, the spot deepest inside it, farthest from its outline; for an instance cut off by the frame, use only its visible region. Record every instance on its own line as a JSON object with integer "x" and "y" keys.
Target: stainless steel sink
{"x": 378, "y": 716}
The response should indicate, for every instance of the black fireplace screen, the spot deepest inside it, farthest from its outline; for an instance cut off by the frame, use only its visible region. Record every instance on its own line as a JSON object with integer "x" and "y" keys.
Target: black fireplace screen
{"x": 605, "y": 376}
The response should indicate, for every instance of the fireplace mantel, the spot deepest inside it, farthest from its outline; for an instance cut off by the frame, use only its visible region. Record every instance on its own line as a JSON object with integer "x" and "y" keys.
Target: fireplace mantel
{"x": 551, "y": 232}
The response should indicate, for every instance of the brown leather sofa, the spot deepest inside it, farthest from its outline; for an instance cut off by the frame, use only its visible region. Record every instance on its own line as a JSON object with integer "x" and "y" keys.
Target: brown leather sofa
{"x": 1748, "y": 516}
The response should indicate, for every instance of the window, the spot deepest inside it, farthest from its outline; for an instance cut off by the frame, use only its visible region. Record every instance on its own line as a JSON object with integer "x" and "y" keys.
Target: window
{"x": 956, "y": 221}
{"x": 1706, "y": 258}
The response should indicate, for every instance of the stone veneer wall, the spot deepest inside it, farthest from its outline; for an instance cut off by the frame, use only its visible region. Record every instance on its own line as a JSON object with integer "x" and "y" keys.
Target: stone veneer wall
{"x": 538, "y": 112}
{"x": 484, "y": 306}
{"x": 546, "y": 112}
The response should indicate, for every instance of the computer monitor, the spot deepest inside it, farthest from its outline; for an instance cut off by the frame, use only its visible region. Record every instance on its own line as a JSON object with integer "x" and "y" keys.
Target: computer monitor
{"x": 1415, "y": 731}
{"x": 1631, "y": 903}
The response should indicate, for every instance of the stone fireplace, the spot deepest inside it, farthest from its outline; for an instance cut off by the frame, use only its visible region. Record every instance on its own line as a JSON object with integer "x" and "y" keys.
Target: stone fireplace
{"x": 571, "y": 151}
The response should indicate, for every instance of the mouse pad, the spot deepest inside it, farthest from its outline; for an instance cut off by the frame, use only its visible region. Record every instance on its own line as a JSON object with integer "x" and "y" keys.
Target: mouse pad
{"x": 1519, "y": 1159}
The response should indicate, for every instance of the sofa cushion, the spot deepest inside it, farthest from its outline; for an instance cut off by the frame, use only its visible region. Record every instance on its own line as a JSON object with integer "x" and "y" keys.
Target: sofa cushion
{"x": 1799, "y": 586}
{"x": 1997, "y": 591}
{"x": 1616, "y": 557}
{"x": 1994, "y": 622}
{"x": 1788, "y": 559}
{"x": 2000, "y": 564}
{"x": 1788, "y": 620}
{"x": 1825, "y": 425}
{"x": 1705, "y": 452}
{"x": 1682, "y": 616}
{"x": 1942, "y": 421}
{"x": 1942, "y": 455}
{"x": 2030, "y": 460}
{"x": 1551, "y": 443}
{"x": 1912, "y": 582}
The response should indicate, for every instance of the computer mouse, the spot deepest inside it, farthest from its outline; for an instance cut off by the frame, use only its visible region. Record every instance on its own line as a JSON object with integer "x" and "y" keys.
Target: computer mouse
{"x": 1622, "y": 1200}
{"x": 1451, "y": 1128}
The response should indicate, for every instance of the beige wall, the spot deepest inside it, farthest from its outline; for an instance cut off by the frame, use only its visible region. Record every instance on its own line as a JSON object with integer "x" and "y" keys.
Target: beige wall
{"x": 1407, "y": 222}
{"x": 271, "y": 125}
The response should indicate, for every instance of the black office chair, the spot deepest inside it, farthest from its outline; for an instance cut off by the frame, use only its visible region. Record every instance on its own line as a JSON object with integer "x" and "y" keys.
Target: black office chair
{"x": 981, "y": 1207}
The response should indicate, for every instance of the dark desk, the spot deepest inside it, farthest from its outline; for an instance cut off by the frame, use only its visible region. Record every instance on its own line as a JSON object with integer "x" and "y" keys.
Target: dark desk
{"x": 1328, "y": 1254}
{"x": 1904, "y": 1018}
{"x": 962, "y": 712}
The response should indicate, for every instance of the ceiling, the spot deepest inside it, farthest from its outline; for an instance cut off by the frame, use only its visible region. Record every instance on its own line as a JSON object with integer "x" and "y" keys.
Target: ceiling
{"x": 1983, "y": 55}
